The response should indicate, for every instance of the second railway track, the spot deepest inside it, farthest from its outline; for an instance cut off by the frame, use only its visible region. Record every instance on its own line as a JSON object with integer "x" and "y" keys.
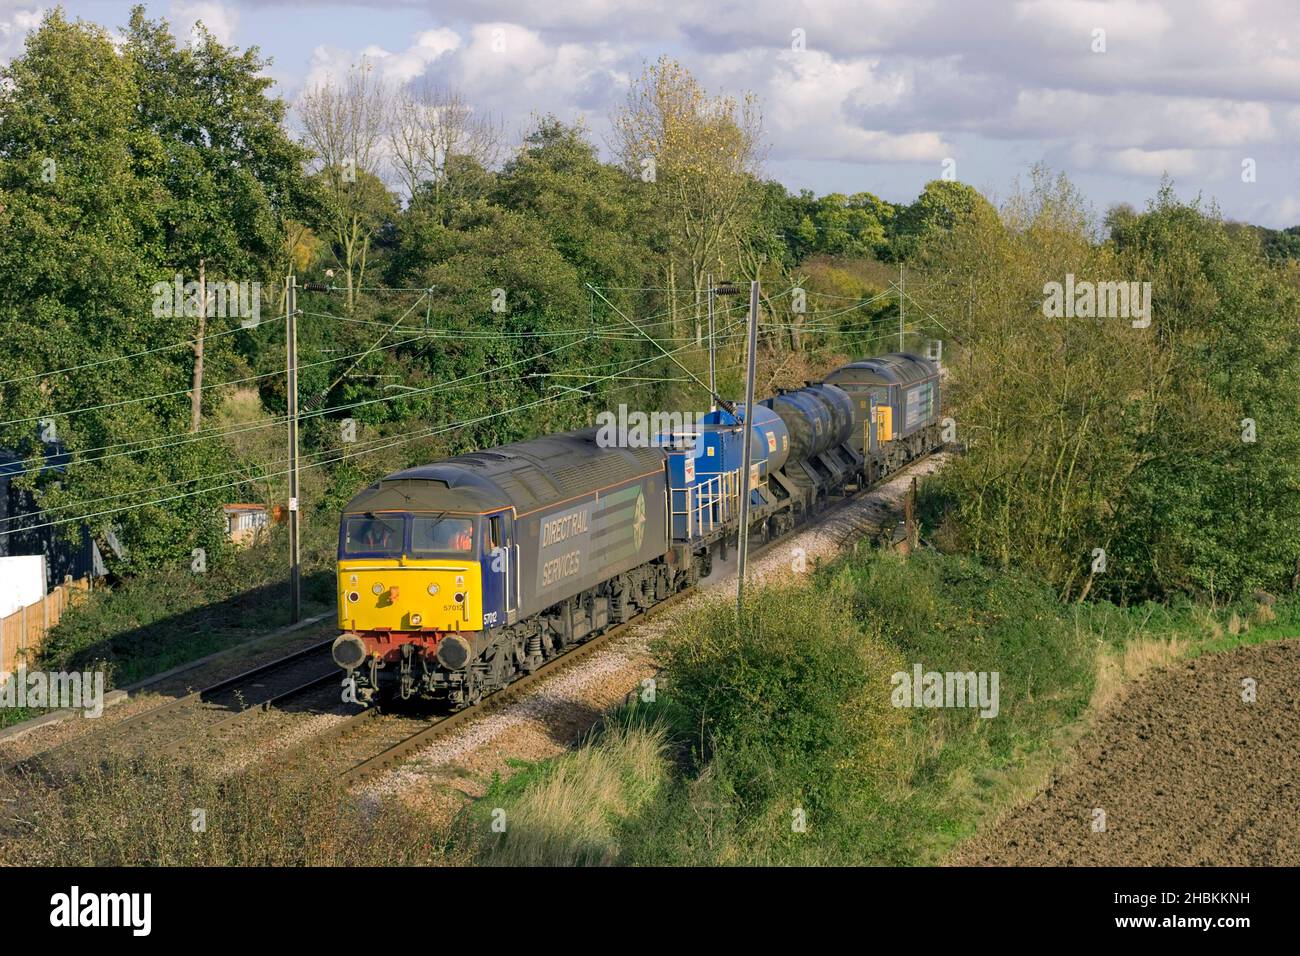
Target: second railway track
{"x": 199, "y": 715}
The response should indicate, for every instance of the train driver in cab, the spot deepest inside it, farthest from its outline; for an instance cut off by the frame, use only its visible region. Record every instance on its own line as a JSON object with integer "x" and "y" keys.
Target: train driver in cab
{"x": 444, "y": 534}
{"x": 462, "y": 539}
{"x": 376, "y": 534}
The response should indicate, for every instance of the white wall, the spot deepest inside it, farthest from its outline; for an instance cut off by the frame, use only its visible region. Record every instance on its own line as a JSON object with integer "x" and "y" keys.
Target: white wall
{"x": 22, "y": 582}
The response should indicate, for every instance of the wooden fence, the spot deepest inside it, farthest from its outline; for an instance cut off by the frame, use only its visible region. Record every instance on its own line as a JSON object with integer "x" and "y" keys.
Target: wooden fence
{"x": 23, "y": 632}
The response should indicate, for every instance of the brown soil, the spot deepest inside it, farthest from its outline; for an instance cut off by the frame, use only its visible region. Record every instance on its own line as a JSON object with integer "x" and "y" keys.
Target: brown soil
{"x": 1186, "y": 772}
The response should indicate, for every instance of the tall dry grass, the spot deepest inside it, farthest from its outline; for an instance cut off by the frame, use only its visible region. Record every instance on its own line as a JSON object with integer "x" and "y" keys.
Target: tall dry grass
{"x": 158, "y": 813}
{"x": 568, "y": 817}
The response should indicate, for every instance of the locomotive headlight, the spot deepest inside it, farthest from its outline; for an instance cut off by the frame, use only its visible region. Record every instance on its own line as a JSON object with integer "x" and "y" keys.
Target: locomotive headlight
{"x": 433, "y": 589}
{"x": 415, "y": 620}
{"x": 377, "y": 589}
{"x": 460, "y": 598}
{"x": 353, "y": 597}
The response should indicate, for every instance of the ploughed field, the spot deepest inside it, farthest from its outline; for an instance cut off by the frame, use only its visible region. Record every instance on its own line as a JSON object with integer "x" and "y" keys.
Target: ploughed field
{"x": 1186, "y": 772}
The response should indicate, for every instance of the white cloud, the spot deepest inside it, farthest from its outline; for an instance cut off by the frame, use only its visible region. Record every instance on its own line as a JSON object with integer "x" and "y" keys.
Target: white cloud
{"x": 1187, "y": 87}
{"x": 1140, "y": 120}
{"x": 332, "y": 63}
{"x": 220, "y": 19}
{"x": 16, "y": 21}
{"x": 818, "y": 107}
{"x": 1155, "y": 162}
{"x": 1066, "y": 21}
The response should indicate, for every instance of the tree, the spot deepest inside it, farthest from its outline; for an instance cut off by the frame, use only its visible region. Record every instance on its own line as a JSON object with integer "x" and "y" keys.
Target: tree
{"x": 344, "y": 124}
{"x": 852, "y": 225}
{"x": 1216, "y": 507}
{"x": 429, "y": 127}
{"x": 83, "y": 225}
{"x": 591, "y": 212}
{"x": 1112, "y": 458}
{"x": 231, "y": 173}
{"x": 112, "y": 181}
{"x": 700, "y": 153}
{"x": 941, "y": 207}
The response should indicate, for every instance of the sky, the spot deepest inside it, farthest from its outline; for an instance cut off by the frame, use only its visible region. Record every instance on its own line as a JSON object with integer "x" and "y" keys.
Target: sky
{"x": 874, "y": 95}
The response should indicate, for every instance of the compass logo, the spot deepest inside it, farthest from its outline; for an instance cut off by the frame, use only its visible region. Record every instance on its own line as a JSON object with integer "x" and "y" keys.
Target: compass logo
{"x": 638, "y": 520}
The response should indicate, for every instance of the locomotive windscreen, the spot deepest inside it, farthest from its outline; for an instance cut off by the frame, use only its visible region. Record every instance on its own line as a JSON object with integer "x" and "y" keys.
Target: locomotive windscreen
{"x": 373, "y": 534}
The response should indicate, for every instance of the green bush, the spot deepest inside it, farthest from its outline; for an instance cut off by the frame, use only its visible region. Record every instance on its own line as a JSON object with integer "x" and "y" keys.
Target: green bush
{"x": 790, "y": 717}
{"x": 789, "y": 707}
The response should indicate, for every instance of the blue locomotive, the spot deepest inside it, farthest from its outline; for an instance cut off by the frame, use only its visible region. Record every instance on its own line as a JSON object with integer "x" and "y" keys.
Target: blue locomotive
{"x": 456, "y": 577}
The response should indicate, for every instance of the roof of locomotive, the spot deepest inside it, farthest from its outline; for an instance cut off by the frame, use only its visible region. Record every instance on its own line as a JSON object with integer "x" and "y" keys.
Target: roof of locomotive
{"x": 526, "y": 475}
{"x": 896, "y": 368}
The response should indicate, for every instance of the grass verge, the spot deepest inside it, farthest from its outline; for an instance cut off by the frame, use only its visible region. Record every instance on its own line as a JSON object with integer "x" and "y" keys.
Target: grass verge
{"x": 777, "y": 743}
{"x": 158, "y": 813}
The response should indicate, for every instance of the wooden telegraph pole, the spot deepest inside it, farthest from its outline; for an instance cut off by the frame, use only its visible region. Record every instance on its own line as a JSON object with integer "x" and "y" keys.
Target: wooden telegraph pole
{"x": 196, "y": 396}
{"x": 291, "y": 366}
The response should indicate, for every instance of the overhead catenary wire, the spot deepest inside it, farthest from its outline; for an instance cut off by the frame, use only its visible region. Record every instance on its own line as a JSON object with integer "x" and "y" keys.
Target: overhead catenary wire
{"x": 809, "y": 327}
{"x": 464, "y": 381}
{"x": 187, "y": 437}
{"x": 162, "y": 442}
{"x": 184, "y": 391}
{"x": 188, "y": 344}
{"x": 569, "y": 395}
{"x": 156, "y": 443}
{"x": 721, "y": 401}
{"x": 645, "y": 323}
{"x": 241, "y": 471}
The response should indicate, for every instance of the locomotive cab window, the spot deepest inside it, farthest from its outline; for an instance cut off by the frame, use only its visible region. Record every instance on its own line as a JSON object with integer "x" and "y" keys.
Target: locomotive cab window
{"x": 494, "y": 532}
{"x": 442, "y": 535}
{"x": 372, "y": 534}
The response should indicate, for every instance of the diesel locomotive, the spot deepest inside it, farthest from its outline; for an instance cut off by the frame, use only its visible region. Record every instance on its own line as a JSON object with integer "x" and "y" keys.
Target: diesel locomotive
{"x": 456, "y": 577}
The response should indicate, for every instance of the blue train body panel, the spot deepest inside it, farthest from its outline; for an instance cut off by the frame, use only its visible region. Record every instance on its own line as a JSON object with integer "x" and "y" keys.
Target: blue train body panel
{"x": 704, "y": 479}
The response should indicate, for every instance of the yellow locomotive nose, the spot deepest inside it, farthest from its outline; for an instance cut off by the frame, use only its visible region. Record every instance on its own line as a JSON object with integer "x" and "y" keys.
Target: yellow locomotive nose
{"x": 437, "y": 594}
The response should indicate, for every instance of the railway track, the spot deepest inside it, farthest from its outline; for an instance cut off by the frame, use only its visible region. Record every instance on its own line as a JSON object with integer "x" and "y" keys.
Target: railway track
{"x": 364, "y": 743}
{"x": 370, "y": 742}
{"x": 205, "y": 714}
